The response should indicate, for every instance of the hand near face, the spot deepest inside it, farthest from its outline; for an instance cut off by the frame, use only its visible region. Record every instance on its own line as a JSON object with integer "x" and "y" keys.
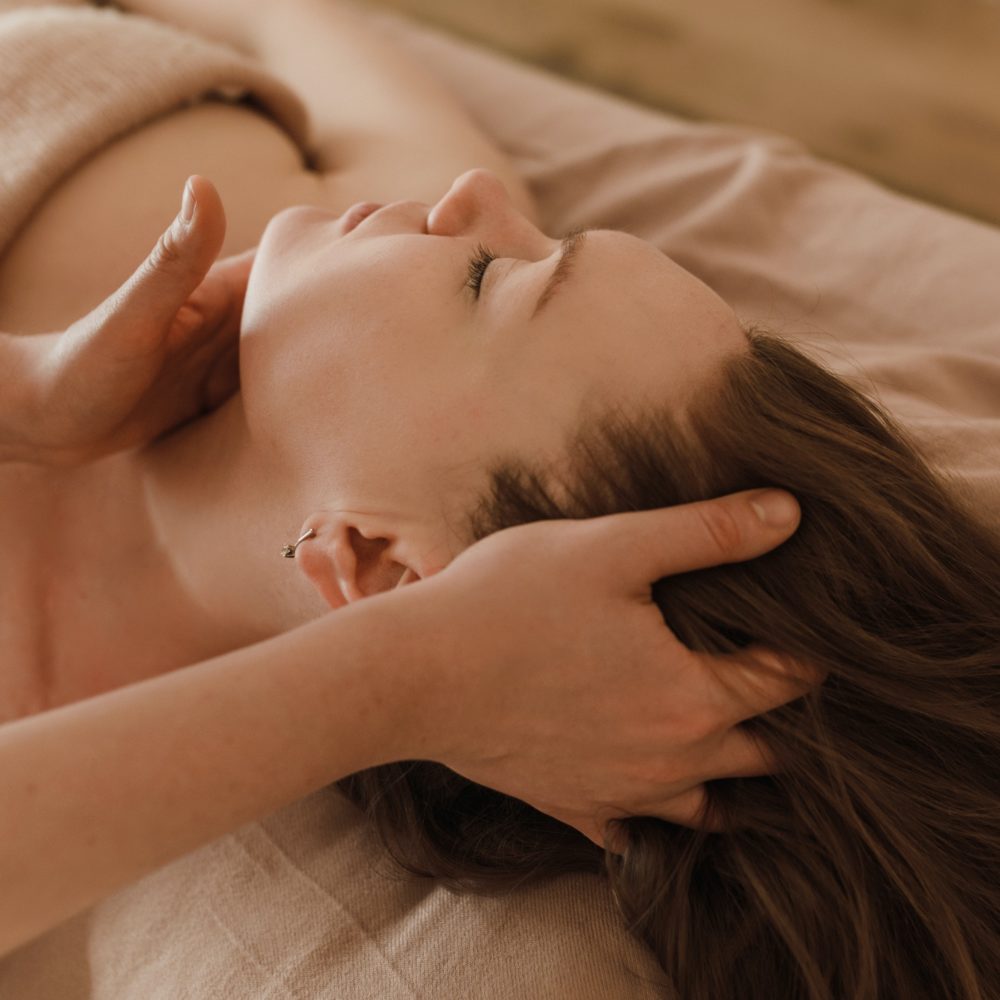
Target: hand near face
{"x": 159, "y": 352}
{"x": 561, "y": 685}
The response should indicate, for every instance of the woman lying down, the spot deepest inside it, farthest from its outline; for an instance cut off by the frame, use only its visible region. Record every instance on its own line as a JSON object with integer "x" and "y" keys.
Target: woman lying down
{"x": 595, "y": 376}
{"x": 419, "y": 374}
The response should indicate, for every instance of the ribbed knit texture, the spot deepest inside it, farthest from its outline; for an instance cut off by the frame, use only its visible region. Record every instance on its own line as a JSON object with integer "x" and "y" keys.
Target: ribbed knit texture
{"x": 72, "y": 79}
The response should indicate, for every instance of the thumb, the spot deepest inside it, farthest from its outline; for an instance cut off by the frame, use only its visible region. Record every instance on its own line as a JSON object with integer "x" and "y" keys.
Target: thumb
{"x": 177, "y": 265}
{"x": 649, "y": 544}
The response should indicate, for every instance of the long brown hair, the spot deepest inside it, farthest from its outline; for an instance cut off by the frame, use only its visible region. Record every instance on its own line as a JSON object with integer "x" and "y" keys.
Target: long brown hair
{"x": 868, "y": 866}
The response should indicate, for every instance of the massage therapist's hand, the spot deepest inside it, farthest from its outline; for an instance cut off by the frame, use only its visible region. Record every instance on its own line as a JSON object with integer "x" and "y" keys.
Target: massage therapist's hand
{"x": 562, "y": 686}
{"x": 160, "y": 351}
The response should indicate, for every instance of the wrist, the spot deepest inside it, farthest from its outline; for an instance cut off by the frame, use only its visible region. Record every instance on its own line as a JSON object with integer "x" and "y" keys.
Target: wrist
{"x": 403, "y": 658}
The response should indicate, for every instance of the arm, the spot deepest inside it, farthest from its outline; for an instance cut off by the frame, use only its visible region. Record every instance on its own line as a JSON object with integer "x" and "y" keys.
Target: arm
{"x": 381, "y": 124}
{"x": 564, "y": 689}
{"x": 160, "y": 351}
{"x": 96, "y": 794}
{"x": 361, "y": 92}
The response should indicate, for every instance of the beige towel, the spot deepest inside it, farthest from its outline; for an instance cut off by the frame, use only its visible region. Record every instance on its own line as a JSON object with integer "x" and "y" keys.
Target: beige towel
{"x": 74, "y": 78}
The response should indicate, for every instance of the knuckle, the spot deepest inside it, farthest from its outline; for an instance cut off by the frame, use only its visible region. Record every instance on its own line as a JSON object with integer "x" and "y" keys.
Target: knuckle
{"x": 616, "y": 838}
{"x": 167, "y": 252}
{"x": 794, "y": 674}
{"x": 703, "y": 725}
{"x": 685, "y": 807}
{"x": 709, "y": 715}
{"x": 811, "y": 673}
{"x": 692, "y": 729}
{"x": 723, "y": 527}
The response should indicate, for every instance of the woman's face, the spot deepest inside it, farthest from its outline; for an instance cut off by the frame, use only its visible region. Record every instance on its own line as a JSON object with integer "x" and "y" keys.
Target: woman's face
{"x": 383, "y": 380}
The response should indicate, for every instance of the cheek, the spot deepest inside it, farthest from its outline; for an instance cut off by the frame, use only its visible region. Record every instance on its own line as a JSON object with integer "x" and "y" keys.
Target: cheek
{"x": 476, "y": 429}
{"x": 444, "y": 421}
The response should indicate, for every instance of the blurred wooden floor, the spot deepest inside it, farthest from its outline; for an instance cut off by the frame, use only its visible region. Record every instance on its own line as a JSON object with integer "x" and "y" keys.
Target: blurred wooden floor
{"x": 906, "y": 91}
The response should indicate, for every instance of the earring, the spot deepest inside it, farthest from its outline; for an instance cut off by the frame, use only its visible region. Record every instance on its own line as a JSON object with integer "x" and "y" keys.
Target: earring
{"x": 288, "y": 551}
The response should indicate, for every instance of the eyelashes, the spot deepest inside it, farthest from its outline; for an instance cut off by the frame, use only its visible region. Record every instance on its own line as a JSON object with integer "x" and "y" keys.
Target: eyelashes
{"x": 478, "y": 263}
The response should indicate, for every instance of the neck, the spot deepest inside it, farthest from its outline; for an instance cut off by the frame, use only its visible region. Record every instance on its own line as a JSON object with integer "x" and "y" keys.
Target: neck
{"x": 198, "y": 520}
{"x": 223, "y": 506}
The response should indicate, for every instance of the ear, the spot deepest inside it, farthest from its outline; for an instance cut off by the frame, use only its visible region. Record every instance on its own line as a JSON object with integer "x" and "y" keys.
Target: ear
{"x": 355, "y": 555}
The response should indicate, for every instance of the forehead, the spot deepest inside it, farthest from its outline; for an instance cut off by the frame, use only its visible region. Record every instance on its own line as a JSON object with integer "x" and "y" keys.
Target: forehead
{"x": 651, "y": 318}
{"x": 643, "y": 277}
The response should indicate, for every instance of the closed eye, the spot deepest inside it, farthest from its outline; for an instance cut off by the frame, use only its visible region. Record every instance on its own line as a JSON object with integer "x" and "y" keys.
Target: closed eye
{"x": 478, "y": 263}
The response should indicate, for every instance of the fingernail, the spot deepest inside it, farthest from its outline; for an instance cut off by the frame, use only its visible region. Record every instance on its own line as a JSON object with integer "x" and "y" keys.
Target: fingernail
{"x": 187, "y": 205}
{"x": 775, "y": 508}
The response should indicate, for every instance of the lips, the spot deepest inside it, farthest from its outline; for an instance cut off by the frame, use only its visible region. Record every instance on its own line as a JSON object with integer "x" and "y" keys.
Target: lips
{"x": 358, "y": 213}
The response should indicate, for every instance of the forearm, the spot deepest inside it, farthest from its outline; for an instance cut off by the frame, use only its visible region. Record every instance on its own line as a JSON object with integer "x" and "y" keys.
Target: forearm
{"x": 365, "y": 94}
{"x": 368, "y": 100}
{"x": 96, "y": 794}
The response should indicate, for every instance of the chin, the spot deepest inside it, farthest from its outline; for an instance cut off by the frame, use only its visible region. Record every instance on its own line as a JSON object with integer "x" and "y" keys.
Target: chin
{"x": 285, "y": 228}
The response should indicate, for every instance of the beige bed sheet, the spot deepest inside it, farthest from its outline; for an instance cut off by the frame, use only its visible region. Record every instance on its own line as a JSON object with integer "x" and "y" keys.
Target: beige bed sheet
{"x": 873, "y": 283}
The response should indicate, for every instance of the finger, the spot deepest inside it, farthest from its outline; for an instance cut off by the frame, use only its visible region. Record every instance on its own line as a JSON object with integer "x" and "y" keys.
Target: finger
{"x": 590, "y": 828}
{"x": 592, "y": 832}
{"x": 223, "y": 292}
{"x": 646, "y": 545}
{"x": 757, "y": 679}
{"x": 235, "y": 271}
{"x": 223, "y": 379}
{"x": 692, "y": 809}
{"x": 615, "y": 837}
{"x": 214, "y": 310}
{"x": 740, "y": 755}
{"x": 141, "y": 312}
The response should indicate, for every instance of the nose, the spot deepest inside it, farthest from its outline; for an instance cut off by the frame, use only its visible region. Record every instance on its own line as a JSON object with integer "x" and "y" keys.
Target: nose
{"x": 474, "y": 197}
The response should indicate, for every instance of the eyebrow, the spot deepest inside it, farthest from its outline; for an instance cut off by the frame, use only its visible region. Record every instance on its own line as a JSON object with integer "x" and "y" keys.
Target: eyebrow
{"x": 568, "y": 250}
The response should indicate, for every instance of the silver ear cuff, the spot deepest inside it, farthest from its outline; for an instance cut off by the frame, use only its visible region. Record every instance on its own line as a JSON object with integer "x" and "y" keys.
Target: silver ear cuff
{"x": 288, "y": 551}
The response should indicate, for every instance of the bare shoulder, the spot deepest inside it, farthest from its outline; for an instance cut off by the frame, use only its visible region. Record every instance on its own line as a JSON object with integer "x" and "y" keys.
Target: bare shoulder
{"x": 100, "y": 222}
{"x": 97, "y": 226}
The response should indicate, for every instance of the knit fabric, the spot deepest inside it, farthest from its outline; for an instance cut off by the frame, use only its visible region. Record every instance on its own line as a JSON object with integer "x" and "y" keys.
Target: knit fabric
{"x": 74, "y": 78}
